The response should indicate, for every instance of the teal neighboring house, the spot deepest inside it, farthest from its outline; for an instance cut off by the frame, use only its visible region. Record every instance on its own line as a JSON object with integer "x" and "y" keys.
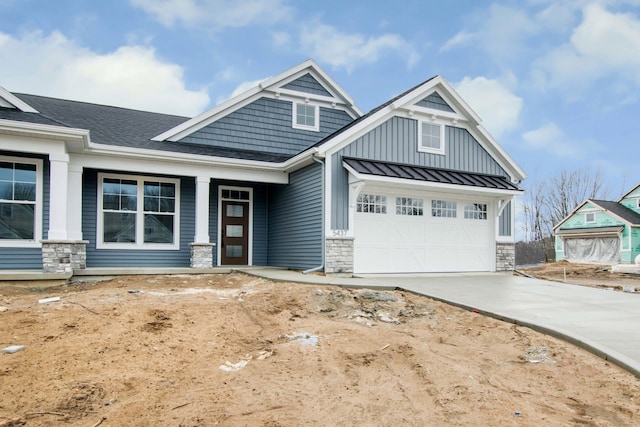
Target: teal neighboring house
{"x": 601, "y": 231}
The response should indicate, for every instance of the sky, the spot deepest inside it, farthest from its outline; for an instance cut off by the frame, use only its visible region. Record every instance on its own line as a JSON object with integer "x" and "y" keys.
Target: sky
{"x": 557, "y": 83}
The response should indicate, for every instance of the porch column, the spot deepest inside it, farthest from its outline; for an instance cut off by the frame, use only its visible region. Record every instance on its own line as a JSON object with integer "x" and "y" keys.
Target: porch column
{"x": 58, "y": 192}
{"x": 201, "y": 248}
{"x": 74, "y": 203}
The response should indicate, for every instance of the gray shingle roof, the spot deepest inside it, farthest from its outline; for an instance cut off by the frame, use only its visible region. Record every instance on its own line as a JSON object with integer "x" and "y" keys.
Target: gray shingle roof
{"x": 619, "y": 210}
{"x": 422, "y": 173}
{"x": 20, "y": 116}
{"x": 124, "y": 127}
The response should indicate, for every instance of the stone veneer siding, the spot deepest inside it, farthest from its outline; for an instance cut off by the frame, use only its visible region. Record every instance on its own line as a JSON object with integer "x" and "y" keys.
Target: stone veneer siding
{"x": 64, "y": 256}
{"x": 338, "y": 256}
{"x": 202, "y": 255}
{"x": 505, "y": 256}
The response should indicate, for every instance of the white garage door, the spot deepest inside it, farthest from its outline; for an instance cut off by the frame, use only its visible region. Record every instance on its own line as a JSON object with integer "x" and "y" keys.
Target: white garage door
{"x": 400, "y": 234}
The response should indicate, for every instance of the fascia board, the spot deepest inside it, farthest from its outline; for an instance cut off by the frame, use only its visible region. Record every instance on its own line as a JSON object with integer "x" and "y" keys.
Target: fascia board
{"x": 429, "y": 185}
{"x": 504, "y": 159}
{"x": 628, "y": 192}
{"x": 16, "y": 102}
{"x": 43, "y": 131}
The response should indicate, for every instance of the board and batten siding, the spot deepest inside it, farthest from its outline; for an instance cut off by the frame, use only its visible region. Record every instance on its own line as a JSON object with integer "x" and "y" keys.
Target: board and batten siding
{"x": 137, "y": 257}
{"x": 504, "y": 221}
{"x": 396, "y": 140}
{"x": 295, "y": 220}
{"x": 307, "y": 84}
{"x": 266, "y": 125}
{"x": 29, "y": 258}
{"x": 259, "y": 236}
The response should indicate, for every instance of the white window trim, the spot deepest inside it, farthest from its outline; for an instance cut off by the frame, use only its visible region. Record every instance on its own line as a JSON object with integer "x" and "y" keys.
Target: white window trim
{"x": 35, "y": 243}
{"x": 586, "y": 221}
{"x": 139, "y": 244}
{"x": 250, "y": 231}
{"x": 316, "y": 125}
{"x": 443, "y": 142}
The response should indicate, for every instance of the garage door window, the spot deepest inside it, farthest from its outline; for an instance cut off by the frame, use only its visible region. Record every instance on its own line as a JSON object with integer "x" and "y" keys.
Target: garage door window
{"x": 443, "y": 209}
{"x": 409, "y": 206}
{"x": 372, "y": 203}
{"x": 475, "y": 211}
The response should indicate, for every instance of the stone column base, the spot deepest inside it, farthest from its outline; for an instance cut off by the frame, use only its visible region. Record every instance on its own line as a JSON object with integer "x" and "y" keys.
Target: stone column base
{"x": 338, "y": 255}
{"x": 202, "y": 255}
{"x": 505, "y": 256}
{"x": 64, "y": 256}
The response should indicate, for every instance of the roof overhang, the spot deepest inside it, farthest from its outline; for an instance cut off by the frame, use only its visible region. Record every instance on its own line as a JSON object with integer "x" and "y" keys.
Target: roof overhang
{"x": 424, "y": 178}
{"x": 591, "y": 232}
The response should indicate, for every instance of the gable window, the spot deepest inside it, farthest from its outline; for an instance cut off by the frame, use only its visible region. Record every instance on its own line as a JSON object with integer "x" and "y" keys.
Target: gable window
{"x": 589, "y": 217}
{"x": 20, "y": 201}
{"x": 475, "y": 211}
{"x": 444, "y": 209}
{"x": 372, "y": 203}
{"x": 409, "y": 206}
{"x": 431, "y": 138}
{"x": 305, "y": 116}
{"x": 137, "y": 212}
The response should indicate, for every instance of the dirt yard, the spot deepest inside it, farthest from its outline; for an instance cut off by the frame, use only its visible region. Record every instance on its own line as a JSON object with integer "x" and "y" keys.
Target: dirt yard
{"x": 234, "y": 350}
{"x": 599, "y": 276}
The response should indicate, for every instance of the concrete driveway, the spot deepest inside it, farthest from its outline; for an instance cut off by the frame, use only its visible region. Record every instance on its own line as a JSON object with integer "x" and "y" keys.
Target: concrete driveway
{"x": 604, "y": 322}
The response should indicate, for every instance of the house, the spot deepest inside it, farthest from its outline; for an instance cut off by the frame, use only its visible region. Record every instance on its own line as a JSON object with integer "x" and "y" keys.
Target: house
{"x": 601, "y": 231}
{"x": 287, "y": 174}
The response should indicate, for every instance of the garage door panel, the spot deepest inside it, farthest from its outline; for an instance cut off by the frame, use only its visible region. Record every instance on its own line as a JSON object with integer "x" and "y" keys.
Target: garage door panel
{"x": 603, "y": 250}
{"x": 389, "y": 243}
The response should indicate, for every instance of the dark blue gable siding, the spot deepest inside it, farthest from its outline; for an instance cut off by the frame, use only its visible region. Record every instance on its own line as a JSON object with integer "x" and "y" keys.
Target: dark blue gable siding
{"x": 137, "y": 257}
{"x": 307, "y": 84}
{"x": 266, "y": 125}
{"x": 29, "y": 258}
{"x": 295, "y": 220}
{"x": 436, "y": 102}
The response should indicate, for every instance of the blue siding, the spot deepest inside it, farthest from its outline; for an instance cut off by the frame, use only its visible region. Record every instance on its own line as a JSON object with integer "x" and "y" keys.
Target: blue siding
{"x": 295, "y": 220}
{"x": 436, "y": 102}
{"x": 259, "y": 239}
{"x": 504, "y": 222}
{"x": 307, "y": 84}
{"x": 137, "y": 257}
{"x": 396, "y": 140}
{"x": 266, "y": 125}
{"x": 29, "y": 258}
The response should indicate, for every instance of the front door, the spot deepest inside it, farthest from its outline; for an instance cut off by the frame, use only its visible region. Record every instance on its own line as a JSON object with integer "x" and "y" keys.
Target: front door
{"x": 235, "y": 233}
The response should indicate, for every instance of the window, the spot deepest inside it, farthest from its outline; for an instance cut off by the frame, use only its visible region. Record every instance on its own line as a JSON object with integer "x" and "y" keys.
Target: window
{"x": 371, "y": 203}
{"x": 475, "y": 211}
{"x": 138, "y": 212}
{"x": 305, "y": 116}
{"x": 431, "y": 138}
{"x": 589, "y": 217}
{"x": 409, "y": 206}
{"x": 20, "y": 204}
{"x": 444, "y": 209}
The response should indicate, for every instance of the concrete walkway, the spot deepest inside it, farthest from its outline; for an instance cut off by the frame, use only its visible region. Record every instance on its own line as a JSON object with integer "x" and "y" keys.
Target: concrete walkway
{"x": 602, "y": 321}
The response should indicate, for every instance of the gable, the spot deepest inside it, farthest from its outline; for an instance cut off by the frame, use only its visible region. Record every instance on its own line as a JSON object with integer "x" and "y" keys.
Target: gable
{"x": 600, "y": 218}
{"x": 631, "y": 200}
{"x": 307, "y": 84}
{"x": 265, "y": 125}
{"x": 436, "y": 102}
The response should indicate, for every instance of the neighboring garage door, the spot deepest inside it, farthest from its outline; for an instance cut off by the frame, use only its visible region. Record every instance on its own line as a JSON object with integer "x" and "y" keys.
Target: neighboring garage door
{"x": 401, "y": 234}
{"x": 600, "y": 250}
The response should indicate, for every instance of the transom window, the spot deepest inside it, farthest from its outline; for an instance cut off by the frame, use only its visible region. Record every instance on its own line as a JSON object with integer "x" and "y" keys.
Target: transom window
{"x": 19, "y": 200}
{"x": 305, "y": 116}
{"x": 138, "y": 212}
{"x": 431, "y": 138}
{"x": 475, "y": 211}
{"x": 229, "y": 194}
{"x": 372, "y": 203}
{"x": 409, "y": 206}
{"x": 589, "y": 217}
{"x": 444, "y": 209}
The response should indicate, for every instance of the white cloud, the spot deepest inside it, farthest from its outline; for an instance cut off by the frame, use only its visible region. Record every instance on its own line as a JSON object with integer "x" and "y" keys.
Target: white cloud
{"x": 552, "y": 139}
{"x": 215, "y": 14}
{"x": 459, "y": 39}
{"x": 245, "y": 86}
{"x": 130, "y": 76}
{"x": 498, "y": 107}
{"x": 604, "y": 46}
{"x": 349, "y": 50}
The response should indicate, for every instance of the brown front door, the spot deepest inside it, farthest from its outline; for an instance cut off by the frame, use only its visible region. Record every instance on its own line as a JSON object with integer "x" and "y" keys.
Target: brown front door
{"x": 235, "y": 233}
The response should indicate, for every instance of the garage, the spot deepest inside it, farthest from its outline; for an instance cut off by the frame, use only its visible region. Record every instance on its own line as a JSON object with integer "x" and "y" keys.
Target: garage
{"x": 598, "y": 245}
{"x": 411, "y": 233}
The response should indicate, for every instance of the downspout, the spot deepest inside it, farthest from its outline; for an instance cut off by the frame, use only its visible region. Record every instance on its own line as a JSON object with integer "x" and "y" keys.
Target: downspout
{"x": 321, "y": 266}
